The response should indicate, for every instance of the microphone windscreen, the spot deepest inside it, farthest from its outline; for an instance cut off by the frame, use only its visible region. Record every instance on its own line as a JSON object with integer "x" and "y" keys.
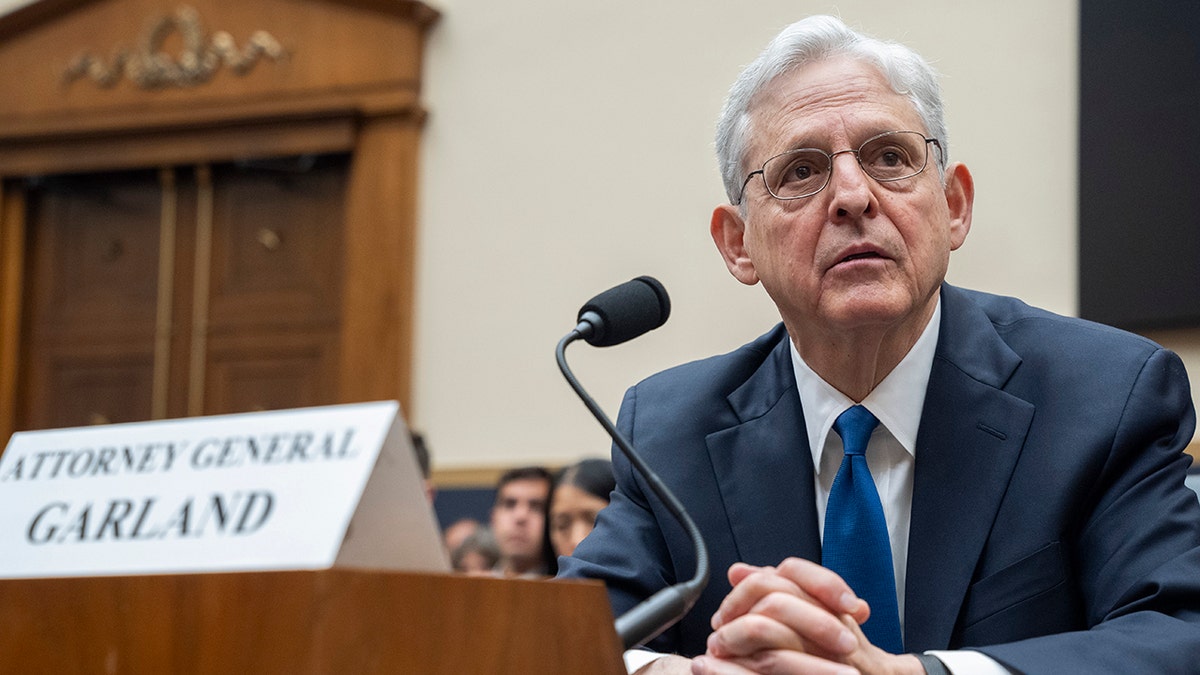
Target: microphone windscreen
{"x": 628, "y": 310}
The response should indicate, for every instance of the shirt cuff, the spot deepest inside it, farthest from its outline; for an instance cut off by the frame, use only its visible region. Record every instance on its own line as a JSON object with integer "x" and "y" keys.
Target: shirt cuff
{"x": 967, "y": 662}
{"x": 638, "y": 658}
{"x": 962, "y": 662}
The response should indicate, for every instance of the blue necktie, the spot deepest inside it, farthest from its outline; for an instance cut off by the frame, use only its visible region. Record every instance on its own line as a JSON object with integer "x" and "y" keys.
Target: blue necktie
{"x": 856, "y": 542}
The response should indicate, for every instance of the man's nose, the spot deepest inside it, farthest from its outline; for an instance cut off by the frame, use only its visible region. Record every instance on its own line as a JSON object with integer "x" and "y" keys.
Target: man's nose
{"x": 849, "y": 187}
{"x": 846, "y": 168}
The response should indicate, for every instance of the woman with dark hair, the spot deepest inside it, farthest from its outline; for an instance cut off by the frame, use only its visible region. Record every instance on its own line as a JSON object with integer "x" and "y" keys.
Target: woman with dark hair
{"x": 579, "y": 492}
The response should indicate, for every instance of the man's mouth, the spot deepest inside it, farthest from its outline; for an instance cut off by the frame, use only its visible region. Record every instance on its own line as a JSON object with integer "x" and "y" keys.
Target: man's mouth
{"x": 860, "y": 256}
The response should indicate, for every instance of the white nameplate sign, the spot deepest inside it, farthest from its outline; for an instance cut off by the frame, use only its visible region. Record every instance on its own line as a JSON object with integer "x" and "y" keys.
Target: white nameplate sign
{"x": 311, "y": 488}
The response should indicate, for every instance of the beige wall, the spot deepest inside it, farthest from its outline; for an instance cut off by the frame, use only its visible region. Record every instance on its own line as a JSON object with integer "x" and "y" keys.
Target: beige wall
{"x": 569, "y": 149}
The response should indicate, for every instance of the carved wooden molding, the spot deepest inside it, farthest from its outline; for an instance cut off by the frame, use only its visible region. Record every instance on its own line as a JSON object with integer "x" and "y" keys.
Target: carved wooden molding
{"x": 149, "y": 67}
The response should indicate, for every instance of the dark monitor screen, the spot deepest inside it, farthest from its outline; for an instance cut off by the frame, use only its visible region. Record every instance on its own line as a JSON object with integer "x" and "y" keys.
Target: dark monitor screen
{"x": 1139, "y": 163}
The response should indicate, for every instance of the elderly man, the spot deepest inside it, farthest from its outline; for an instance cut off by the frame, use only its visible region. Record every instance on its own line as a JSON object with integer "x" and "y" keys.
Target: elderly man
{"x": 903, "y": 476}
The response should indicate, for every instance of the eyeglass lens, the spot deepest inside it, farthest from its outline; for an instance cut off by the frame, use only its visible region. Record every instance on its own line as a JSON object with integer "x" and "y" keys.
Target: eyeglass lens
{"x": 887, "y": 157}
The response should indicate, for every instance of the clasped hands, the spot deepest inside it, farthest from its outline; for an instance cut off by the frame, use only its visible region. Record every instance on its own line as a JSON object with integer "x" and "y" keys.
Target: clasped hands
{"x": 797, "y": 617}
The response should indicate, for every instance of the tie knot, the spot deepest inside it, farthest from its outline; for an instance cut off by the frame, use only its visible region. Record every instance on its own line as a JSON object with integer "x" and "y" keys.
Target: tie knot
{"x": 855, "y": 427}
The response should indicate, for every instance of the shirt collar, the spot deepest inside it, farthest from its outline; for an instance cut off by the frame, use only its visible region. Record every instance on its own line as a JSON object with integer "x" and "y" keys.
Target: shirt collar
{"x": 897, "y": 401}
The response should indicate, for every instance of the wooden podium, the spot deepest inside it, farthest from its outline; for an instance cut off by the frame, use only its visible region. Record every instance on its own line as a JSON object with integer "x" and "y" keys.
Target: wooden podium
{"x": 306, "y": 622}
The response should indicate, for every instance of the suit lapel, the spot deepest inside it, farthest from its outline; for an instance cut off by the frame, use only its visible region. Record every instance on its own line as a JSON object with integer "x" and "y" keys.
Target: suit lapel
{"x": 764, "y": 466}
{"x": 970, "y": 436}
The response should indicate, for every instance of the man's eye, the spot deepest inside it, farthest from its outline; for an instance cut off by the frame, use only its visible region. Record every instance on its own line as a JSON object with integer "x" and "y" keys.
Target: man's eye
{"x": 887, "y": 159}
{"x": 890, "y": 158}
{"x": 800, "y": 170}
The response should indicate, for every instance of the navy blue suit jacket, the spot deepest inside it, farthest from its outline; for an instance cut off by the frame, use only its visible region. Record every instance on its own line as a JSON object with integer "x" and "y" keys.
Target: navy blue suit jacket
{"x": 1051, "y": 527}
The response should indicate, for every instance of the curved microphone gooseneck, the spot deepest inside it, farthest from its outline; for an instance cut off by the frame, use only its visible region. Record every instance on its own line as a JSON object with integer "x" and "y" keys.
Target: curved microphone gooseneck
{"x": 615, "y": 316}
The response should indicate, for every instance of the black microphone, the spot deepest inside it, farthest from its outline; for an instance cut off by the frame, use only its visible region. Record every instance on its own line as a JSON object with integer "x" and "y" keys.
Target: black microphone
{"x": 622, "y": 313}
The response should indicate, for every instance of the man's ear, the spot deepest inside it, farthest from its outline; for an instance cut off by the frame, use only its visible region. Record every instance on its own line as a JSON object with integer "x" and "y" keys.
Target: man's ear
{"x": 728, "y": 229}
{"x": 960, "y": 197}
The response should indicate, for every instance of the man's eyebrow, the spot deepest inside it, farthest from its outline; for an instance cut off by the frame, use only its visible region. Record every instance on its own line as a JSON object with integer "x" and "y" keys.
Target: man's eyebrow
{"x": 801, "y": 142}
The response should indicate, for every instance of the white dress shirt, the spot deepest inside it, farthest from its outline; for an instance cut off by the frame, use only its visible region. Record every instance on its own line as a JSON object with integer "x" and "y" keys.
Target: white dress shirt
{"x": 897, "y": 402}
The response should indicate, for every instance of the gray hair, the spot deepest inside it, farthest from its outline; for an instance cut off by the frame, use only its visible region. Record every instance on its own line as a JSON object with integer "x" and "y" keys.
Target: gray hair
{"x": 811, "y": 40}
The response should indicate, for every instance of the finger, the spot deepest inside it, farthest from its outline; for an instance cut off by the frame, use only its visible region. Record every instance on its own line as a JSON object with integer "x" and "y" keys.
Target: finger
{"x": 773, "y": 663}
{"x": 752, "y": 633}
{"x": 739, "y": 571}
{"x": 871, "y": 659}
{"x": 817, "y": 629}
{"x": 825, "y": 586}
{"x": 749, "y": 590}
{"x": 784, "y": 621}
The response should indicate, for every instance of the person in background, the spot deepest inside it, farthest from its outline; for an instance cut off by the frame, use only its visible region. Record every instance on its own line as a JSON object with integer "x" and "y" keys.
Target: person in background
{"x": 457, "y": 532}
{"x": 477, "y": 554}
{"x": 422, "y": 452}
{"x": 580, "y": 491}
{"x": 518, "y": 520}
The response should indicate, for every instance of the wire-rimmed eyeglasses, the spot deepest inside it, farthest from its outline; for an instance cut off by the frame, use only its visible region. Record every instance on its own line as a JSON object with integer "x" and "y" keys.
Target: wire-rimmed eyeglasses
{"x": 887, "y": 157}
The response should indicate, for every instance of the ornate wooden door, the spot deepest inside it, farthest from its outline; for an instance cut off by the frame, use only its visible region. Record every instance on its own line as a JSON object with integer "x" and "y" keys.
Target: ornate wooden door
{"x": 184, "y": 291}
{"x": 207, "y": 207}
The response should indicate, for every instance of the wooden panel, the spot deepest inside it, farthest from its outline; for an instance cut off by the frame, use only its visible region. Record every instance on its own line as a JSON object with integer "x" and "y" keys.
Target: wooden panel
{"x": 277, "y": 242}
{"x": 380, "y": 243}
{"x": 342, "y": 45}
{"x": 12, "y": 258}
{"x": 307, "y": 622}
{"x": 71, "y": 385}
{"x": 141, "y": 147}
{"x": 270, "y": 371}
{"x": 94, "y": 246}
{"x": 92, "y": 302}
